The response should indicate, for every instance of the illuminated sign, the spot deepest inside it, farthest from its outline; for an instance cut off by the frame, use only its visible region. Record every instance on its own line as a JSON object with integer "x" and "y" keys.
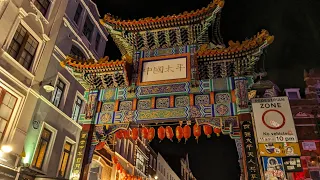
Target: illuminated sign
{"x": 279, "y": 149}
{"x": 80, "y": 153}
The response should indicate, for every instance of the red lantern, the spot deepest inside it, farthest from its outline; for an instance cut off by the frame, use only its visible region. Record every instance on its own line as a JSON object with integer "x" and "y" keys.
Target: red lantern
{"x": 114, "y": 159}
{"x": 169, "y": 133}
{"x": 100, "y": 145}
{"x": 161, "y": 133}
{"x": 151, "y": 134}
{"x": 207, "y": 130}
{"x": 186, "y": 132}
{"x": 144, "y": 132}
{"x": 119, "y": 134}
{"x": 135, "y": 134}
{"x": 179, "y": 133}
{"x": 217, "y": 131}
{"x": 126, "y": 134}
{"x": 197, "y": 131}
{"x": 118, "y": 166}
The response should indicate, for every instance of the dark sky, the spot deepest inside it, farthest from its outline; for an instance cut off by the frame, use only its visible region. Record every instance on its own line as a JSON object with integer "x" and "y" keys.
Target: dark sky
{"x": 296, "y": 27}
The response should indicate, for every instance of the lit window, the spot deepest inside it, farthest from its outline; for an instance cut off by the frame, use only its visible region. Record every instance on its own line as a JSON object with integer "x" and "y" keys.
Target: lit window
{"x": 88, "y": 28}
{"x": 65, "y": 159}
{"x": 97, "y": 41}
{"x": 140, "y": 162}
{"x": 77, "y": 52}
{"x": 78, "y": 14}
{"x": 23, "y": 47}
{"x": 42, "y": 6}
{"x": 77, "y": 109}
{"x": 7, "y": 104}
{"x": 42, "y": 148}
{"x": 58, "y": 93}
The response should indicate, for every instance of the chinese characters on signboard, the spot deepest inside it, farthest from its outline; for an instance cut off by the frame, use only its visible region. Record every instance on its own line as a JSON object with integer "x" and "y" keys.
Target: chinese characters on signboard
{"x": 166, "y": 69}
{"x": 250, "y": 151}
{"x": 80, "y": 153}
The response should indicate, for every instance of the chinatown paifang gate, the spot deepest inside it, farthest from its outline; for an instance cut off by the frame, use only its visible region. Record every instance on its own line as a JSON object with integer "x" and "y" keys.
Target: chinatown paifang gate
{"x": 174, "y": 69}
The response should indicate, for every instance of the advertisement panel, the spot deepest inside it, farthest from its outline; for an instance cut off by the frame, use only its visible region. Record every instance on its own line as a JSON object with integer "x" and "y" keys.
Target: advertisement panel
{"x": 273, "y": 120}
{"x": 279, "y": 149}
{"x": 273, "y": 168}
{"x": 292, "y": 164}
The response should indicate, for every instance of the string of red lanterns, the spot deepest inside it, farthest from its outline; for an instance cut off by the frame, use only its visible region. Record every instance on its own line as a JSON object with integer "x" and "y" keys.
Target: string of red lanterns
{"x": 167, "y": 132}
{"x": 122, "y": 171}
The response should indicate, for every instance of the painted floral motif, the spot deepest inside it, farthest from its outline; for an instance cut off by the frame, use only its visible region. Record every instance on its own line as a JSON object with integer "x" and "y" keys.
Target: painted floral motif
{"x": 222, "y": 109}
{"x": 223, "y": 98}
{"x": 242, "y": 93}
{"x": 128, "y": 116}
{"x": 99, "y": 129}
{"x": 227, "y": 121}
{"x": 202, "y": 100}
{"x": 125, "y": 106}
{"x": 162, "y": 103}
{"x": 182, "y": 101}
{"x": 194, "y": 112}
{"x": 162, "y": 114}
{"x": 109, "y": 93}
{"x": 149, "y": 90}
{"x": 108, "y": 106}
{"x": 144, "y": 104}
{"x": 105, "y": 118}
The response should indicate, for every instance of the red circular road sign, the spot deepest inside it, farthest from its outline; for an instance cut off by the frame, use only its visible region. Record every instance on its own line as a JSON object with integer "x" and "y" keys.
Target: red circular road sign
{"x": 273, "y": 127}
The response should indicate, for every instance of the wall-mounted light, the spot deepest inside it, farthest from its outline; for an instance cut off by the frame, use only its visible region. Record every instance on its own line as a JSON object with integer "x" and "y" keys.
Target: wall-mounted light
{"x": 6, "y": 148}
{"x": 48, "y": 87}
{"x": 156, "y": 177}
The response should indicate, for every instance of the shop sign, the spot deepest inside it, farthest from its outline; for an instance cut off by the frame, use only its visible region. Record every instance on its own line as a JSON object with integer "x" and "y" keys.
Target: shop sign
{"x": 279, "y": 149}
{"x": 273, "y": 120}
{"x": 309, "y": 146}
{"x": 273, "y": 168}
{"x": 250, "y": 151}
{"x": 80, "y": 153}
{"x": 7, "y": 174}
{"x": 292, "y": 164}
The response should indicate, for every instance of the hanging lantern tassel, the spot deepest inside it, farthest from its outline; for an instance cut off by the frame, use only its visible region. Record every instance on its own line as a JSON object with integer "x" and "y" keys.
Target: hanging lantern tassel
{"x": 151, "y": 133}
{"x": 126, "y": 134}
{"x": 161, "y": 133}
{"x": 169, "y": 133}
{"x": 179, "y": 133}
{"x": 134, "y": 134}
{"x": 217, "y": 131}
{"x": 186, "y": 133}
{"x": 197, "y": 131}
{"x": 207, "y": 129}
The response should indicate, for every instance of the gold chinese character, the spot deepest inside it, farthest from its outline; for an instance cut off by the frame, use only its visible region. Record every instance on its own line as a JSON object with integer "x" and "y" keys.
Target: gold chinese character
{"x": 252, "y": 169}
{"x": 83, "y": 136}
{"x": 82, "y": 142}
{"x": 80, "y": 148}
{"x": 148, "y": 69}
{"x": 247, "y": 134}
{"x": 254, "y": 176}
{"x": 76, "y": 171}
{"x": 77, "y": 165}
{"x": 249, "y": 146}
{"x": 158, "y": 69}
{"x": 250, "y": 154}
{"x": 248, "y": 140}
{"x": 180, "y": 66}
{"x": 251, "y": 161}
{"x": 169, "y": 69}
{"x": 246, "y": 126}
{"x": 78, "y": 160}
{"x": 80, "y": 153}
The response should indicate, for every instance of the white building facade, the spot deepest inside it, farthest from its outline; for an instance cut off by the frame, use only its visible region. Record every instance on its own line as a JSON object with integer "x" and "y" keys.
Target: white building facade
{"x": 164, "y": 171}
{"x": 41, "y": 127}
{"x": 186, "y": 173}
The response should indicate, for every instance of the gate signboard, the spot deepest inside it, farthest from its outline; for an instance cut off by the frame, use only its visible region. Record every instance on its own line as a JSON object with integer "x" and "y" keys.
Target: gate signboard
{"x": 273, "y": 120}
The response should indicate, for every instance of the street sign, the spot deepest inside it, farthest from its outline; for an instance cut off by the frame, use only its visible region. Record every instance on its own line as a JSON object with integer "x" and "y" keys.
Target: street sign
{"x": 273, "y": 120}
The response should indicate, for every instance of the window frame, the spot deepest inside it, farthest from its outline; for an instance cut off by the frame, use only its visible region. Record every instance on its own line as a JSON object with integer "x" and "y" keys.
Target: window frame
{"x": 80, "y": 96}
{"x": 64, "y": 94}
{"x": 97, "y": 42}
{"x": 46, "y": 159}
{"x": 81, "y": 12}
{"x": 49, "y": 10}
{"x": 80, "y": 55}
{"x": 71, "y": 157}
{"x": 143, "y": 162}
{"x": 85, "y": 25}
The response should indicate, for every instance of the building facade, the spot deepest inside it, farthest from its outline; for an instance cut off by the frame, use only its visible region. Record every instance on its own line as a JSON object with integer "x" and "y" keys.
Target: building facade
{"x": 152, "y": 164}
{"x": 164, "y": 171}
{"x": 28, "y": 34}
{"x": 307, "y": 122}
{"x": 186, "y": 173}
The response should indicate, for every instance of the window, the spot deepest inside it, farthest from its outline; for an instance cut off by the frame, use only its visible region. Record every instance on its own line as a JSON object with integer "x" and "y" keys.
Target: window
{"x": 150, "y": 161}
{"x": 77, "y": 52}
{"x": 42, "y": 148}
{"x": 58, "y": 93}
{"x": 154, "y": 163}
{"x": 97, "y": 41}
{"x": 78, "y": 14}
{"x": 23, "y": 47}
{"x": 293, "y": 95}
{"x": 7, "y": 104}
{"x": 95, "y": 171}
{"x": 88, "y": 28}
{"x": 77, "y": 108}
{"x": 42, "y": 6}
{"x": 65, "y": 159}
{"x": 140, "y": 162}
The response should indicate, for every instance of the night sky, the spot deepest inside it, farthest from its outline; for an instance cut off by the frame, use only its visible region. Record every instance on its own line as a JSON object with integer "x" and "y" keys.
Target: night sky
{"x": 296, "y": 27}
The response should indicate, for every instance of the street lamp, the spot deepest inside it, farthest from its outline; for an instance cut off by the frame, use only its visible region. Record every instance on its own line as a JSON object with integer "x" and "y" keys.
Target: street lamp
{"x": 156, "y": 177}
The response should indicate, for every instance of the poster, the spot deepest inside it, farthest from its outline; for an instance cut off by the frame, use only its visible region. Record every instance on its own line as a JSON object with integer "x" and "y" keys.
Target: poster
{"x": 292, "y": 164}
{"x": 273, "y": 168}
{"x": 250, "y": 150}
{"x": 309, "y": 145}
{"x": 273, "y": 120}
{"x": 279, "y": 149}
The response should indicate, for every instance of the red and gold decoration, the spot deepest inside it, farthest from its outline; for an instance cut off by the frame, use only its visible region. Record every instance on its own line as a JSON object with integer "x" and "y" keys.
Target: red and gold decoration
{"x": 169, "y": 133}
{"x": 100, "y": 145}
{"x": 197, "y": 131}
{"x": 161, "y": 133}
{"x": 126, "y": 134}
{"x": 151, "y": 134}
{"x": 119, "y": 134}
{"x": 134, "y": 134}
{"x": 179, "y": 133}
{"x": 207, "y": 129}
{"x": 144, "y": 132}
{"x": 217, "y": 131}
{"x": 186, "y": 132}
